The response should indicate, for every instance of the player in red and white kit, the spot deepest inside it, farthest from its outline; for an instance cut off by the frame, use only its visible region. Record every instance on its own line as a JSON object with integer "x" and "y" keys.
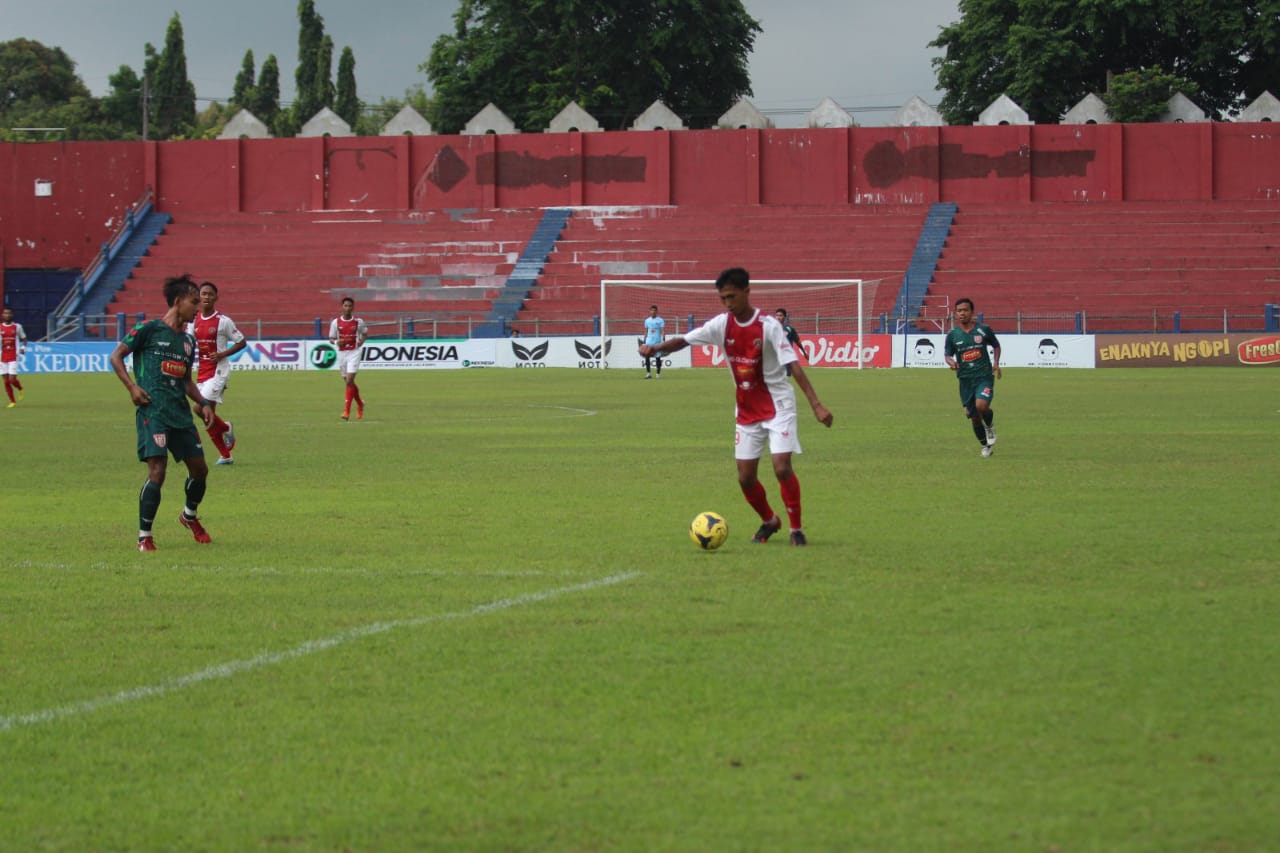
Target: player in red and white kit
{"x": 347, "y": 333}
{"x": 758, "y": 353}
{"x": 13, "y": 343}
{"x": 217, "y": 339}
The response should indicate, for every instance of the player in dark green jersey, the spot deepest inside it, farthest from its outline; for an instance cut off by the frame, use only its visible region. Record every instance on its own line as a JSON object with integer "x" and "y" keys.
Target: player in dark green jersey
{"x": 163, "y": 353}
{"x": 792, "y": 335}
{"x": 966, "y": 354}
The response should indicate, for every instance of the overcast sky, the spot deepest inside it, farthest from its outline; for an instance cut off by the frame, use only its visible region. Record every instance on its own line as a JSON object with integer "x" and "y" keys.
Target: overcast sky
{"x": 870, "y": 57}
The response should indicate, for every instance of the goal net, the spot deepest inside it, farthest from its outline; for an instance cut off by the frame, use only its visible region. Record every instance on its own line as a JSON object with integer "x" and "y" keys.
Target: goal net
{"x": 814, "y": 306}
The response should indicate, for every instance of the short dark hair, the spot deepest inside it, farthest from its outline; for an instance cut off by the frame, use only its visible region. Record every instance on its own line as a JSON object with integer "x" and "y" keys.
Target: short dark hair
{"x": 347, "y": 299}
{"x": 177, "y": 287}
{"x": 653, "y": 307}
{"x": 963, "y": 299}
{"x": 735, "y": 276}
{"x": 782, "y": 311}
{"x": 209, "y": 285}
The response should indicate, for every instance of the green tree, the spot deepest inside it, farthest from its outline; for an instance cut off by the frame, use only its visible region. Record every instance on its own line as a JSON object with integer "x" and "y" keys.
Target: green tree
{"x": 532, "y": 57}
{"x": 1048, "y": 54}
{"x": 34, "y": 76}
{"x": 346, "y": 104}
{"x": 266, "y": 101}
{"x": 243, "y": 93}
{"x": 323, "y": 80}
{"x": 308, "y": 93}
{"x": 1143, "y": 95}
{"x": 172, "y": 96}
{"x": 122, "y": 107}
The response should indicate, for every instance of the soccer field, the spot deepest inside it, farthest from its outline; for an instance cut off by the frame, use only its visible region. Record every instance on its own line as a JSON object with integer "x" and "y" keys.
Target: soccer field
{"x": 475, "y": 620}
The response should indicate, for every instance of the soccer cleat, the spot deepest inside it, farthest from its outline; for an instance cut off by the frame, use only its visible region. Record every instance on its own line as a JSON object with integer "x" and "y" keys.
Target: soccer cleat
{"x": 11, "y": 405}
{"x": 987, "y": 451}
{"x": 991, "y": 435}
{"x": 146, "y": 543}
{"x": 196, "y": 528}
{"x": 797, "y": 538}
{"x": 346, "y": 414}
{"x": 360, "y": 411}
{"x": 766, "y": 530}
{"x": 648, "y": 376}
{"x": 225, "y": 460}
{"x": 19, "y": 395}
{"x": 229, "y": 437}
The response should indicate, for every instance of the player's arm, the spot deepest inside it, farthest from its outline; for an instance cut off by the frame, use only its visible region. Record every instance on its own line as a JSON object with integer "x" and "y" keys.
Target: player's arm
{"x": 995, "y": 361}
{"x": 201, "y": 404}
{"x": 949, "y": 355}
{"x": 22, "y": 340}
{"x": 137, "y": 393}
{"x": 362, "y": 333}
{"x": 670, "y": 345}
{"x": 333, "y": 331}
{"x": 237, "y": 339}
{"x": 821, "y": 412}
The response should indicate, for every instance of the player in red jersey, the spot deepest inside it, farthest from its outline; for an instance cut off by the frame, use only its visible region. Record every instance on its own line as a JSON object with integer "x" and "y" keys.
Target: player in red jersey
{"x": 13, "y": 343}
{"x": 217, "y": 339}
{"x": 347, "y": 333}
{"x": 758, "y": 353}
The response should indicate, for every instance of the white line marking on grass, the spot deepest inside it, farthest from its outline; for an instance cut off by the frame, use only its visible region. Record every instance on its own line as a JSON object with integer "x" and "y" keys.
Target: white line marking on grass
{"x": 576, "y": 413}
{"x": 226, "y": 670}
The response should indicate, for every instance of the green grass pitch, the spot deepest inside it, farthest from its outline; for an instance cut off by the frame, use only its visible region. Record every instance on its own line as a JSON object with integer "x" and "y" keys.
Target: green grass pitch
{"x": 475, "y": 621}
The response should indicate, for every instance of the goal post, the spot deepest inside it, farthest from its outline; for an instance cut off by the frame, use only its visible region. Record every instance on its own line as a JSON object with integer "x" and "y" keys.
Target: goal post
{"x": 815, "y": 306}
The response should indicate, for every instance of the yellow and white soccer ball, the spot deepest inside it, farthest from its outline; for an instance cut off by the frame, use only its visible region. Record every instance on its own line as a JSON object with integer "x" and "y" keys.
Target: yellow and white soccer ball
{"x": 708, "y": 530}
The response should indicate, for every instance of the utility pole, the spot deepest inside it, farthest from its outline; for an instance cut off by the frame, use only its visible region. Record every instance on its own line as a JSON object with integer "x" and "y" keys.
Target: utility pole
{"x": 146, "y": 104}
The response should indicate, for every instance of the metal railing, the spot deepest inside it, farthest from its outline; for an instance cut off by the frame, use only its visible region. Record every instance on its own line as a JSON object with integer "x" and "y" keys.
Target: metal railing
{"x": 63, "y": 322}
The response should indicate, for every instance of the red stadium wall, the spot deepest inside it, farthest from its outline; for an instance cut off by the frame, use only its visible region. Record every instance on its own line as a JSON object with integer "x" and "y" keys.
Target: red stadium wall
{"x": 92, "y": 182}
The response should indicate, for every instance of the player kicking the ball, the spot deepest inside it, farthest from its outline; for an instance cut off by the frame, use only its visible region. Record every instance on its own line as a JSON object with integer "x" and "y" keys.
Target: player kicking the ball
{"x": 758, "y": 353}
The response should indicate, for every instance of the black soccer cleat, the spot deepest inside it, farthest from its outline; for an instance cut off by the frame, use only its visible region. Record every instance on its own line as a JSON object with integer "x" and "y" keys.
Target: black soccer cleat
{"x": 797, "y": 538}
{"x": 766, "y": 530}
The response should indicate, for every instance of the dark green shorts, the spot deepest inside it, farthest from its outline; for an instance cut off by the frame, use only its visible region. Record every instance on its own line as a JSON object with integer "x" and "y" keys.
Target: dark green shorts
{"x": 155, "y": 439}
{"x": 981, "y": 388}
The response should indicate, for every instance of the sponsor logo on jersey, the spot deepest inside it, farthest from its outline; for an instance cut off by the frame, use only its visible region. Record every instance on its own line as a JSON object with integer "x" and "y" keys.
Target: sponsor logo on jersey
{"x": 159, "y": 439}
{"x": 971, "y": 355}
{"x": 177, "y": 369}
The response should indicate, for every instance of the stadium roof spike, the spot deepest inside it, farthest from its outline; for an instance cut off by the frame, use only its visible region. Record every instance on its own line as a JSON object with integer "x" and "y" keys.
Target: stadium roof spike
{"x": 829, "y": 114}
{"x": 916, "y": 113}
{"x": 407, "y": 122}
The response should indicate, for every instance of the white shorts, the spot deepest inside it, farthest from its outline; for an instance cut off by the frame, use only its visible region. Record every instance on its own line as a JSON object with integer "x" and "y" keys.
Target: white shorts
{"x": 8, "y": 368}
{"x": 212, "y": 389}
{"x": 348, "y": 361}
{"x": 779, "y": 432}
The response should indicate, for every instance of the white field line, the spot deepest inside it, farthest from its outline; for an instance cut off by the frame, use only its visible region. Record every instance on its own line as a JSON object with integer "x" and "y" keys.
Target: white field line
{"x": 226, "y": 670}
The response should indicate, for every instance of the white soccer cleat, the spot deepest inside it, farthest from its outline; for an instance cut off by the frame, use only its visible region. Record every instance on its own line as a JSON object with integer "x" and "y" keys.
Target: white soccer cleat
{"x": 991, "y": 435}
{"x": 987, "y": 451}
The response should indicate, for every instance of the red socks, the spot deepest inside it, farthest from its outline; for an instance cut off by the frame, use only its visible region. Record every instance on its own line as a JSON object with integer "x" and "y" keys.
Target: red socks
{"x": 216, "y": 432}
{"x": 791, "y": 499}
{"x": 755, "y": 495}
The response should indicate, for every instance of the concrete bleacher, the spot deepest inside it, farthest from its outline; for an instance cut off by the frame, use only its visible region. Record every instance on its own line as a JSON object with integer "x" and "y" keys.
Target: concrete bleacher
{"x": 1120, "y": 265}
{"x": 772, "y": 242}
{"x": 441, "y": 269}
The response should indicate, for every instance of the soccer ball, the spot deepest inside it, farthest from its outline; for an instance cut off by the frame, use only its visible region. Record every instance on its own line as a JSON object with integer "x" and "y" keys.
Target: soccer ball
{"x": 708, "y": 530}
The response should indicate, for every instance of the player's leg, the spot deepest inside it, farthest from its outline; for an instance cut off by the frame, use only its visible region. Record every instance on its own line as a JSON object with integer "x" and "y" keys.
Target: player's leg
{"x": 350, "y": 380}
{"x": 186, "y": 448}
{"x": 648, "y": 373}
{"x": 15, "y": 381}
{"x": 784, "y": 440}
{"x": 8, "y": 385}
{"x": 749, "y": 444}
{"x": 149, "y": 500}
{"x": 983, "y": 416}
